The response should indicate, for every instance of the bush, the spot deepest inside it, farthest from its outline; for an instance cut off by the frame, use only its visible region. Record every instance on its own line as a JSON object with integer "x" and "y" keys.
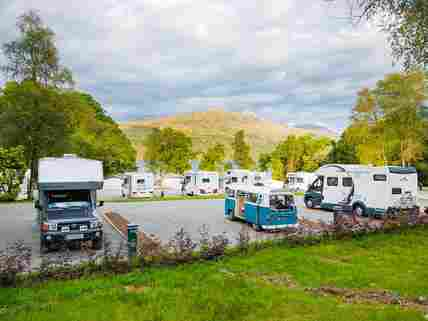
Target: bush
{"x": 15, "y": 259}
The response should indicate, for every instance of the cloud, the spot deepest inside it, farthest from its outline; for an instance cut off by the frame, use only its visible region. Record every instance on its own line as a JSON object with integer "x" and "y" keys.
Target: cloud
{"x": 284, "y": 60}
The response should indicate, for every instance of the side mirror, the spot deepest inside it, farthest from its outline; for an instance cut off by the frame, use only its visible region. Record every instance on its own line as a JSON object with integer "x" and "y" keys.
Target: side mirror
{"x": 101, "y": 204}
{"x": 37, "y": 204}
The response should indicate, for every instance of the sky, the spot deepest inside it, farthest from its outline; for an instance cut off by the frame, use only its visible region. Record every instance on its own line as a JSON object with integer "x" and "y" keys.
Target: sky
{"x": 291, "y": 61}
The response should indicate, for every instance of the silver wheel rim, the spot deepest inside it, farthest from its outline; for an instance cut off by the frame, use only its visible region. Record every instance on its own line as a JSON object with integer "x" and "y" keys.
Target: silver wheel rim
{"x": 309, "y": 202}
{"x": 359, "y": 211}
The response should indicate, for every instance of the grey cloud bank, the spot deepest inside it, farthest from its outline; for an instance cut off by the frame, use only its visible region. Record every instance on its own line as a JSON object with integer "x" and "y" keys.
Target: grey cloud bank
{"x": 290, "y": 61}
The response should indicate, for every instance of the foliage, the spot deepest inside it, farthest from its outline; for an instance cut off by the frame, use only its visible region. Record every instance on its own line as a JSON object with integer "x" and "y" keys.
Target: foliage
{"x": 37, "y": 118}
{"x": 241, "y": 151}
{"x": 12, "y": 171}
{"x": 387, "y": 124}
{"x": 303, "y": 153}
{"x": 213, "y": 158}
{"x": 34, "y": 56}
{"x": 97, "y": 136}
{"x": 342, "y": 153}
{"x": 264, "y": 162}
{"x": 405, "y": 21}
{"x": 168, "y": 150}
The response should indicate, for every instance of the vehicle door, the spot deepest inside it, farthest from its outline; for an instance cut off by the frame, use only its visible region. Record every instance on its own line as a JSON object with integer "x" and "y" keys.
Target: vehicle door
{"x": 346, "y": 188}
{"x": 332, "y": 191}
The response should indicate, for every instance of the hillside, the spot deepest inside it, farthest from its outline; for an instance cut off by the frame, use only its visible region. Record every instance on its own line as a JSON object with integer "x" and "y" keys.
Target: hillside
{"x": 217, "y": 126}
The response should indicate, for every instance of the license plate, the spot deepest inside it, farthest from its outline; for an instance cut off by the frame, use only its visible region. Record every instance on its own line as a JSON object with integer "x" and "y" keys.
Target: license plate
{"x": 74, "y": 237}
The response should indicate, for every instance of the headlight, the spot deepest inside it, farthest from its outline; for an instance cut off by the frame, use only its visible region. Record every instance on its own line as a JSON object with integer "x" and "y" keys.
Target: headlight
{"x": 52, "y": 227}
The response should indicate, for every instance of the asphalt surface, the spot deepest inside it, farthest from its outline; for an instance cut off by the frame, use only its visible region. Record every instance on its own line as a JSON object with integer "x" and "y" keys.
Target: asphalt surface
{"x": 163, "y": 219}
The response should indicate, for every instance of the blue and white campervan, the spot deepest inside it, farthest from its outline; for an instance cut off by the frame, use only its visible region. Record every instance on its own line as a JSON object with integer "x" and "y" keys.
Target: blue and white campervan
{"x": 262, "y": 206}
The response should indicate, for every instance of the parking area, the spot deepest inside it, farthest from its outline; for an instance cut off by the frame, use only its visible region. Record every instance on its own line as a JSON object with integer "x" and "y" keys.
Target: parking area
{"x": 163, "y": 219}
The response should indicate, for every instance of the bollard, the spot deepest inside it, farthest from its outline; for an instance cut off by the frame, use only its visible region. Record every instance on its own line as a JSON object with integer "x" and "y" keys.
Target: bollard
{"x": 132, "y": 240}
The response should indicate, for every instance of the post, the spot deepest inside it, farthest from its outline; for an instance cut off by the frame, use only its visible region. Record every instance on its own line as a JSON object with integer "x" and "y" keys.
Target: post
{"x": 132, "y": 240}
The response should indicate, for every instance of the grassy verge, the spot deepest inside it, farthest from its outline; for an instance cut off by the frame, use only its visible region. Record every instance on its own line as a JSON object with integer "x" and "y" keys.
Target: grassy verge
{"x": 243, "y": 287}
{"x": 166, "y": 198}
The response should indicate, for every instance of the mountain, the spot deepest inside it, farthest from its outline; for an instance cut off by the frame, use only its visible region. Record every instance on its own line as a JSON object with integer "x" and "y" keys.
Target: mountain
{"x": 321, "y": 130}
{"x": 218, "y": 126}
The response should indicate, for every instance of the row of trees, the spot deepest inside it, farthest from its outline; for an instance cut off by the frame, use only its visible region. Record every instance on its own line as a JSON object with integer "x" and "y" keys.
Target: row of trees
{"x": 42, "y": 114}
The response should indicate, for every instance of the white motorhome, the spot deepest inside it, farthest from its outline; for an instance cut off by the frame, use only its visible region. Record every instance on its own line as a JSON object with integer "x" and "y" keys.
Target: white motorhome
{"x": 299, "y": 181}
{"x": 112, "y": 189}
{"x": 244, "y": 176}
{"x": 369, "y": 190}
{"x": 201, "y": 182}
{"x": 138, "y": 184}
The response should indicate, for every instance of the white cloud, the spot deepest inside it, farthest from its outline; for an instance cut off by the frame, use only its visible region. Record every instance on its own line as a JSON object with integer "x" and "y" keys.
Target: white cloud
{"x": 277, "y": 58}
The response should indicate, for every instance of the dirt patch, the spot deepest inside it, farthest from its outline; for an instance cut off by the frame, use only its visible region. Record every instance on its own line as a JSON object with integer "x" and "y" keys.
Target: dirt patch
{"x": 372, "y": 297}
{"x": 136, "y": 289}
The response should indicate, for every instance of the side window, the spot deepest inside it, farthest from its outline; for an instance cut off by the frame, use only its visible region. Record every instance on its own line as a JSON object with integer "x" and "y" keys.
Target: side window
{"x": 317, "y": 184}
{"x": 234, "y": 179}
{"x": 299, "y": 180}
{"x": 125, "y": 181}
{"x": 140, "y": 181}
{"x": 396, "y": 191}
{"x": 332, "y": 181}
{"x": 230, "y": 192}
{"x": 379, "y": 178}
{"x": 205, "y": 180}
{"x": 347, "y": 181}
{"x": 244, "y": 179}
{"x": 252, "y": 197}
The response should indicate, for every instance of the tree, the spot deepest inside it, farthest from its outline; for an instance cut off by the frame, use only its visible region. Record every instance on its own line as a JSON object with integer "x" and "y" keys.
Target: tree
{"x": 168, "y": 150}
{"x": 12, "y": 171}
{"x": 265, "y": 162}
{"x": 241, "y": 151}
{"x": 213, "y": 158}
{"x": 342, "y": 153}
{"x": 405, "y": 21}
{"x": 36, "y": 118}
{"x": 34, "y": 56}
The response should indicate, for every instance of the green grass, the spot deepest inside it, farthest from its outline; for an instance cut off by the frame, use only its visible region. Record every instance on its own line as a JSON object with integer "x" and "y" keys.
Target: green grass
{"x": 233, "y": 289}
{"x": 166, "y": 198}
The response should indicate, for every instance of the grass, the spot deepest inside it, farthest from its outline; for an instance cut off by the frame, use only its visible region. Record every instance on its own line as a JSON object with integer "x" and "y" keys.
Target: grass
{"x": 233, "y": 288}
{"x": 166, "y": 198}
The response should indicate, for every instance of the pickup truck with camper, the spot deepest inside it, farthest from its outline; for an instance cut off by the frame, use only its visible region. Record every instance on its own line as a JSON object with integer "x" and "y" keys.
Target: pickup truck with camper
{"x": 67, "y": 201}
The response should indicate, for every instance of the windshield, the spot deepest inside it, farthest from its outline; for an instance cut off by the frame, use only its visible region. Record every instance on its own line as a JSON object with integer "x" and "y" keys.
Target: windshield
{"x": 65, "y": 199}
{"x": 281, "y": 201}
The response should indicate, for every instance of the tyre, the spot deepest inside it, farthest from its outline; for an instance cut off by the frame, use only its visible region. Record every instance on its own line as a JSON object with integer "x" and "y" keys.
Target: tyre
{"x": 359, "y": 210}
{"x": 309, "y": 202}
{"x": 257, "y": 228}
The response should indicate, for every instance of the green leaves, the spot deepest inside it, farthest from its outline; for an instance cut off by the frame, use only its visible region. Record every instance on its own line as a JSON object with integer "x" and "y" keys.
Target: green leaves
{"x": 168, "y": 150}
{"x": 12, "y": 171}
{"x": 213, "y": 159}
{"x": 241, "y": 151}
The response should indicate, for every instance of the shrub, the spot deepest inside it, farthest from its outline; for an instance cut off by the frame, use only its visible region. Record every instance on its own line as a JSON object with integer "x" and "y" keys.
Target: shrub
{"x": 15, "y": 259}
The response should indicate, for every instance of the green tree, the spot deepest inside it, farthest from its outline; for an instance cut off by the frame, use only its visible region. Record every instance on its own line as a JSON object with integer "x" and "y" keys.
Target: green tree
{"x": 241, "y": 151}
{"x": 168, "y": 150}
{"x": 342, "y": 152}
{"x": 12, "y": 171}
{"x": 213, "y": 158}
{"x": 34, "y": 56}
{"x": 36, "y": 118}
{"x": 264, "y": 162}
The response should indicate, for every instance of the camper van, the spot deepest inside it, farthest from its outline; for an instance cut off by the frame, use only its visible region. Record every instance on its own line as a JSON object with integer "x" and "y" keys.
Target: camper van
{"x": 201, "y": 182}
{"x": 261, "y": 206}
{"x": 67, "y": 201}
{"x": 138, "y": 185}
{"x": 368, "y": 190}
{"x": 245, "y": 176}
{"x": 299, "y": 181}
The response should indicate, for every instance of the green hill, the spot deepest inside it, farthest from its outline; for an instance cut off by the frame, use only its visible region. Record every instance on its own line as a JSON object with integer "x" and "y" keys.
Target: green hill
{"x": 217, "y": 126}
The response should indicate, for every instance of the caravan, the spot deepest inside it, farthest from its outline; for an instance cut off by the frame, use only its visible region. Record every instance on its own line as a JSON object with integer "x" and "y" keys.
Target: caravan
{"x": 368, "y": 190}
{"x": 262, "y": 206}
{"x": 201, "y": 182}
{"x": 245, "y": 176}
{"x": 138, "y": 185}
{"x": 299, "y": 181}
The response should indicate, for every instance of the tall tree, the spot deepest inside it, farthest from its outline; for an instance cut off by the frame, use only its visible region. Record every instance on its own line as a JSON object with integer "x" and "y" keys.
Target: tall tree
{"x": 12, "y": 171}
{"x": 36, "y": 118}
{"x": 213, "y": 158}
{"x": 34, "y": 56}
{"x": 241, "y": 151}
{"x": 168, "y": 150}
{"x": 264, "y": 162}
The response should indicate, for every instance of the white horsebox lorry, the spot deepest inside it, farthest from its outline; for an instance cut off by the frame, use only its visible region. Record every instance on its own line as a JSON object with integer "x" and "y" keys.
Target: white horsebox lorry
{"x": 371, "y": 191}
{"x": 67, "y": 201}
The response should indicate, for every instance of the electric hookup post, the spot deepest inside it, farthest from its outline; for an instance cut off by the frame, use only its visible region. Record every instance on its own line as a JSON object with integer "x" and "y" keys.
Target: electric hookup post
{"x": 132, "y": 239}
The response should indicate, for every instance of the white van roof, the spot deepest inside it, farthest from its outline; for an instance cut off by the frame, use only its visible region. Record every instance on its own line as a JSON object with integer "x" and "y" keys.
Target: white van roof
{"x": 259, "y": 189}
{"x": 341, "y": 168}
{"x": 70, "y": 170}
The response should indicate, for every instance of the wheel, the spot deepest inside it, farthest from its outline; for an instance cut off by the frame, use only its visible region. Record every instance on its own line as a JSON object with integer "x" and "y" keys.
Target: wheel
{"x": 44, "y": 247}
{"x": 359, "y": 210}
{"x": 231, "y": 216}
{"x": 309, "y": 202}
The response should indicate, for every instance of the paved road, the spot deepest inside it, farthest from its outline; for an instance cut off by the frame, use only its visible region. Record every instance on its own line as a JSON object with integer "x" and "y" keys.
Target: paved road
{"x": 18, "y": 220}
